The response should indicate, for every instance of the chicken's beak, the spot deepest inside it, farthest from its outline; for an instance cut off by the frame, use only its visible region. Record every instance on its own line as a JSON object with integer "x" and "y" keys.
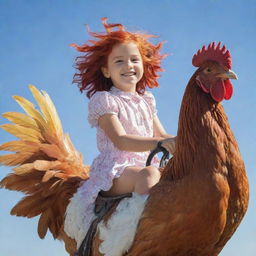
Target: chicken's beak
{"x": 228, "y": 75}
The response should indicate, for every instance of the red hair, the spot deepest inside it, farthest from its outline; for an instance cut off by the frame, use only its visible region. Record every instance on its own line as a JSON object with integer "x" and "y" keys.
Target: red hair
{"x": 89, "y": 76}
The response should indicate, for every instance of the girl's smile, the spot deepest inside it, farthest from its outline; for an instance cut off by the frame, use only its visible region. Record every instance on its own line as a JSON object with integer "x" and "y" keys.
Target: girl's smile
{"x": 124, "y": 66}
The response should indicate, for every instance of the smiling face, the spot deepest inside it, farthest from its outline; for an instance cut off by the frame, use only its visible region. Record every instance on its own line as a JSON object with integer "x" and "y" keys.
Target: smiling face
{"x": 124, "y": 66}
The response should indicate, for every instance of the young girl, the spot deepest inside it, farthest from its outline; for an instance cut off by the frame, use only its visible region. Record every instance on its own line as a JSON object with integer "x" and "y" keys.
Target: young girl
{"x": 115, "y": 71}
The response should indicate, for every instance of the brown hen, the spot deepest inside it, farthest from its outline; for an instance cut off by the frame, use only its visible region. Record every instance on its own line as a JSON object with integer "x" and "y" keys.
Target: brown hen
{"x": 203, "y": 193}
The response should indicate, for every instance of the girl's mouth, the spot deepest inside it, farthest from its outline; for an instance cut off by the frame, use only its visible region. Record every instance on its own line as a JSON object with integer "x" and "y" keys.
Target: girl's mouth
{"x": 129, "y": 74}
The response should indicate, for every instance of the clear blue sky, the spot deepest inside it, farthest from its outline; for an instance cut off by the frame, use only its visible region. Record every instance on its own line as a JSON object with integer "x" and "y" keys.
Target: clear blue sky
{"x": 34, "y": 48}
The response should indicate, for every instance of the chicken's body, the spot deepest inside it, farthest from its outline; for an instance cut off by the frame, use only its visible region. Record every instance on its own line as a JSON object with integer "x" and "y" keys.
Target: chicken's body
{"x": 203, "y": 193}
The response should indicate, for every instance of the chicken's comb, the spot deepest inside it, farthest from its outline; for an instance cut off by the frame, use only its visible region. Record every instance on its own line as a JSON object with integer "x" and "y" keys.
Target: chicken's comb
{"x": 215, "y": 53}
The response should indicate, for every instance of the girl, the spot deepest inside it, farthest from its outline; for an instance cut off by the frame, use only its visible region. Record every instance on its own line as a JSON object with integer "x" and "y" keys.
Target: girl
{"x": 115, "y": 71}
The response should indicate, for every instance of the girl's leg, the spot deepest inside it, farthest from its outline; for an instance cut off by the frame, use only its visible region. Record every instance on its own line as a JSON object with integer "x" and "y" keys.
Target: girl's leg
{"x": 135, "y": 179}
{"x": 147, "y": 178}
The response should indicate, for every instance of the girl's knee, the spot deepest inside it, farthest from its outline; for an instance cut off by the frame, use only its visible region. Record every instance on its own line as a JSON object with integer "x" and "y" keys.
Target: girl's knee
{"x": 150, "y": 171}
{"x": 148, "y": 177}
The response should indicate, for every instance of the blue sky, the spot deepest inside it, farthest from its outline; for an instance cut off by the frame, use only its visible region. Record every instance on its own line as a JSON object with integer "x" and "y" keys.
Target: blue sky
{"x": 34, "y": 48}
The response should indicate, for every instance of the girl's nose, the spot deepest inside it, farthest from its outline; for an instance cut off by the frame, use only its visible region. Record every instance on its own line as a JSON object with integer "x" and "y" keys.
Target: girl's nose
{"x": 129, "y": 64}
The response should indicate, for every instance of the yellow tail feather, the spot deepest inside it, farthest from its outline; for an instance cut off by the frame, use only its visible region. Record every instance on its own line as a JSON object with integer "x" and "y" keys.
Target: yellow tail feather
{"x": 15, "y": 159}
{"x": 23, "y": 133}
{"x": 21, "y": 119}
{"x": 20, "y": 146}
{"x": 29, "y": 108}
{"x": 48, "y": 110}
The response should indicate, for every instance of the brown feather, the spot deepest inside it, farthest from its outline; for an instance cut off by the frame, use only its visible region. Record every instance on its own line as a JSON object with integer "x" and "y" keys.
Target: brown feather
{"x": 24, "y": 183}
{"x": 43, "y": 223}
{"x": 31, "y": 206}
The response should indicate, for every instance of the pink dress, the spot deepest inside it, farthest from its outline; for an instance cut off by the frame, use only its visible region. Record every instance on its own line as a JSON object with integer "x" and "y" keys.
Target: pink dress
{"x": 136, "y": 113}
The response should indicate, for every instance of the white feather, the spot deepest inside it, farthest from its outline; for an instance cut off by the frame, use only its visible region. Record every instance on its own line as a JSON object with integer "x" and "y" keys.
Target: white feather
{"x": 119, "y": 231}
{"x": 77, "y": 222}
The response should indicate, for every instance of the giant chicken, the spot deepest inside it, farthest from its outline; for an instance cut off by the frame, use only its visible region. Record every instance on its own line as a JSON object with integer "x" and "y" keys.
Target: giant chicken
{"x": 195, "y": 208}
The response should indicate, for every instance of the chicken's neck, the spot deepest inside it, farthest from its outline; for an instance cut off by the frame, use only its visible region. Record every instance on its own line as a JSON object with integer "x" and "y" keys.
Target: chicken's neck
{"x": 203, "y": 137}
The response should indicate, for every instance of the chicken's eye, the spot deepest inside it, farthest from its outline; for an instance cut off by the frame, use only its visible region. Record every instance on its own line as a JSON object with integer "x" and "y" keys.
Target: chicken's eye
{"x": 208, "y": 70}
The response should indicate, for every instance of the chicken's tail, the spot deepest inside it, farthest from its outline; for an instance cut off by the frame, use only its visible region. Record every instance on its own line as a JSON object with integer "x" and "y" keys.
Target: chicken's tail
{"x": 48, "y": 168}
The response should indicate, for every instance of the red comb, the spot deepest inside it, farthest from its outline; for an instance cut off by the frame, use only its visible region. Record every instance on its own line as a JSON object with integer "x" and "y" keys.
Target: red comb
{"x": 215, "y": 53}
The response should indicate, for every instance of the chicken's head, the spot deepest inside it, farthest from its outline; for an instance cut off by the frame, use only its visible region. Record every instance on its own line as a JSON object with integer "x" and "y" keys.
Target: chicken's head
{"x": 214, "y": 72}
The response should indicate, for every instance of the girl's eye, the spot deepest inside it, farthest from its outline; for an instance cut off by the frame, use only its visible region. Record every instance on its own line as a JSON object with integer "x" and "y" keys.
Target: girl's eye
{"x": 118, "y": 61}
{"x": 135, "y": 60}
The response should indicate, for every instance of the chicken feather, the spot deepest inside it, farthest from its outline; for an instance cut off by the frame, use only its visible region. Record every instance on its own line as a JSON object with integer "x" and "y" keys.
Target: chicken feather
{"x": 21, "y": 119}
{"x": 29, "y": 108}
{"x": 20, "y": 146}
{"x": 47, "y": 167}
{"x": 48, "y": 110}
{"x": 22, "y": 133}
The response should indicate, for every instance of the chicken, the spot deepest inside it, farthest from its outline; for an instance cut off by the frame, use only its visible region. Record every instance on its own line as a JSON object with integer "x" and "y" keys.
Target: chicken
{"x": 203, "y": 193}
{"x": 200, "y": 199}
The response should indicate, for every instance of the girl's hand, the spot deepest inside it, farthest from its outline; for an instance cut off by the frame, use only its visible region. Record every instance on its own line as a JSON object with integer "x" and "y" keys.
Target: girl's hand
{"x": 169, "y": 144}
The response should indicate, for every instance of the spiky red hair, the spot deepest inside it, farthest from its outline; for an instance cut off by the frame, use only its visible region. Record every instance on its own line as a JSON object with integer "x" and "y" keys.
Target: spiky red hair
{"x": 90, "y": 77}
{"x": 215, "y": 53}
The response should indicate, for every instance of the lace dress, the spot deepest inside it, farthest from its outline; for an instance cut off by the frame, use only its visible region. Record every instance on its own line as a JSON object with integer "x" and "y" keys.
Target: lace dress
{"x": 136, "y": 113}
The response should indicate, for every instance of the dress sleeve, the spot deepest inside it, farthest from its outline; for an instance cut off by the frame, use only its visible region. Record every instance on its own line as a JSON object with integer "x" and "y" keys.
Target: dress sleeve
{"x": 101, "y": 103}
{"x": 150, "y": 99}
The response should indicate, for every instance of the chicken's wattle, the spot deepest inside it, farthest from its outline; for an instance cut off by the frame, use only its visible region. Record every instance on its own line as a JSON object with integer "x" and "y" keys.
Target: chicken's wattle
{"x": 221, "y": 90}
{"x": 229, "y": 89}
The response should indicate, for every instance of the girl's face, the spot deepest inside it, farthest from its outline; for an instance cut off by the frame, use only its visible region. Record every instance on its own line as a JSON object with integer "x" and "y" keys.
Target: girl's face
{"x": 124, "y": 66}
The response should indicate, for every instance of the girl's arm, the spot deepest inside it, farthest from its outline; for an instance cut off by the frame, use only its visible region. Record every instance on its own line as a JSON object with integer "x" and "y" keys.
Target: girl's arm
{"x": 113, "y": 128}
